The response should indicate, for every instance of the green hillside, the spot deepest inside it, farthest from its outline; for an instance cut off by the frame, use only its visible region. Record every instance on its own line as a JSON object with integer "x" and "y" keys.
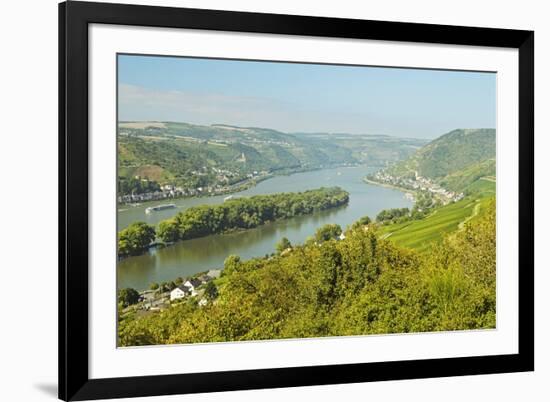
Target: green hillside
{"x": 463, "y": 179}
{"x": 452, "y": 163}
{"x": 457, "y": 170}
{"x": 448, "y": 155}
{"x": 192, "y": 156}
{"x": 425, "y": 233}
{"x": 362, "y": 284}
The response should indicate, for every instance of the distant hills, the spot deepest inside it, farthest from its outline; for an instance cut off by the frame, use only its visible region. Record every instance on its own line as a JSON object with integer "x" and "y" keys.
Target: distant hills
{"x": 194, "y": 155}
{"x": 455, "y": 160}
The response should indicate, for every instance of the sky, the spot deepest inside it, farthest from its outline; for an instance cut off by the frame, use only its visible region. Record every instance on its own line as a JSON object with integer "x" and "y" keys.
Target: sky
{"x": 294, "y": 97}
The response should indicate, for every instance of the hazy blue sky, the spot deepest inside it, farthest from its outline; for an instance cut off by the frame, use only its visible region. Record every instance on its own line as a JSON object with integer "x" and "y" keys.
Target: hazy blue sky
{"x": 305, "y": 97}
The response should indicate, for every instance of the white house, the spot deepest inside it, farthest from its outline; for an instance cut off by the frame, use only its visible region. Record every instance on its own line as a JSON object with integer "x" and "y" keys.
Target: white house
{"x": 192, "y": 285}
{"x": 179, "y": 292}
{"x": 342, "y": 236}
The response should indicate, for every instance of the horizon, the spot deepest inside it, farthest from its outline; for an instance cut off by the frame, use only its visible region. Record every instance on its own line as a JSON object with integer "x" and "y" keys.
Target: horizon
{"x": 304, "y": 132}
{"x": 298, "y": 98}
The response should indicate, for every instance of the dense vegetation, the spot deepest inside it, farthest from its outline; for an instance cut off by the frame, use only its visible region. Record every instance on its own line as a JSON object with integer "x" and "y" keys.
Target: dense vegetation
{"x": 240, "y": 213}
{"x": 362, "y": 284}
{"x": 455, "y": 161}
{"x": 462, "y": 179}
{"x": 127, "y": 296}
{"x": 392, "y": 214}
{"x": 449, "y": 153}
{"x": 246, "y": 213}
{"x": 134, "y": 185}
{"x": 135, "y": 239}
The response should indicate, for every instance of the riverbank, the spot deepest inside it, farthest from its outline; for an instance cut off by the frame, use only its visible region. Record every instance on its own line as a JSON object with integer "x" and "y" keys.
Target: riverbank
{"x": 187, "y": 257}
{"x": 235, "y": 188}
{"x": 242, "y": 213}
{"x": 408, "y": 193}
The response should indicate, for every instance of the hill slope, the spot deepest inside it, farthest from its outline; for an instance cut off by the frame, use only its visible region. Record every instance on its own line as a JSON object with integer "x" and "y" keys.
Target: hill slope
{"x": 453, "y": 161}
{"x": 450, "y": 153}
{"x": 192, "y": 156}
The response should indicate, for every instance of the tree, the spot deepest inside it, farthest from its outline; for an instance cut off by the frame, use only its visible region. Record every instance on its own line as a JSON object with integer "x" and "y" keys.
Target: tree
{"x": 282, "y": 245}
{"x": 135, "y": 239}
{"x": 328, "y": 232}
{"x": 364, "y": 221}
{"x": 128, "y": 296}
{"x": 246, "y": 213}
{"x": 211, "y": 290}
{"x": 154, "y": 286}
{"x": 168, "y": 231}
{"x": 231, "y": 264}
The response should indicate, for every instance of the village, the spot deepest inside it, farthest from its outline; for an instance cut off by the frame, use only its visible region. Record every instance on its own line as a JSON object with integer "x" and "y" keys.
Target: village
{"x": 223, "y": 178}
{"x": 161, "y": 296}
{"x": 418, "y": 183}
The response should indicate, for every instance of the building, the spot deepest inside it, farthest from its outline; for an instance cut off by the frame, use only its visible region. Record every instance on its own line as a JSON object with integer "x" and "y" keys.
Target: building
{"x": 214, "y": 273}
{"x": 192, "y": 285}
{"x": 180, "y": 292}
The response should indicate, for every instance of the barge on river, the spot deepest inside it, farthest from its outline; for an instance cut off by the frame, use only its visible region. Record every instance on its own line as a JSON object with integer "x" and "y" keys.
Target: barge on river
{"x": 159, "y": 208}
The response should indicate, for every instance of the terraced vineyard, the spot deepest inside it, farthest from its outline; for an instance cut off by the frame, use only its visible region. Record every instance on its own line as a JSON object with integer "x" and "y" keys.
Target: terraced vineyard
{"x": 422, "y": 234}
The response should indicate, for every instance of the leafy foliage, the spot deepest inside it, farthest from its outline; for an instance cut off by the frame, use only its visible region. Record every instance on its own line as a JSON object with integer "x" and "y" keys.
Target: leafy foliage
{"x": 328, "y": 232}
{"x": 360, "y": 285}
{"x": 135, "y": 239}
{"x": 135, "y": 185}
{"x": 211, "y": 290}
{"x": 454, "y": 160}
{"x": 128, "y": 296}
{"x": 282, "y": 245}
{"x": 392, "y": 214}
{"x": 245, "y": 213}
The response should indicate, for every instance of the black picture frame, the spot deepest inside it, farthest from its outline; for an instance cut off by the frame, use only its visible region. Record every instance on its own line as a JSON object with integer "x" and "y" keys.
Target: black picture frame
{"x": 74, "y": 18}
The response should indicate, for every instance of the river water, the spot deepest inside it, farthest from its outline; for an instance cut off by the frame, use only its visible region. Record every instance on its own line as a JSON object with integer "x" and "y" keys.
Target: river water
{"x": 191, "y": 256}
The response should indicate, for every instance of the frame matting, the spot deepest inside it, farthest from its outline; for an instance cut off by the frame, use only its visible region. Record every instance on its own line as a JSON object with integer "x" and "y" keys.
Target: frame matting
{"x": 74, "y": 20}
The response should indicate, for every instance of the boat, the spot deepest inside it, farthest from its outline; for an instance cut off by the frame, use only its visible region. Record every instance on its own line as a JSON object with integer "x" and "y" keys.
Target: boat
{"x": 229, "y": 197}
{"x": 159, "y": 208}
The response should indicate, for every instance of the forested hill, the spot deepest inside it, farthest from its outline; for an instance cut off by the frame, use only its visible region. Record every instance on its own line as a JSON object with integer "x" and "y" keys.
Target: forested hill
{"x": 192, "y": 156}
{"x": 450, "y": 153}
{"x": 454, "y": 160}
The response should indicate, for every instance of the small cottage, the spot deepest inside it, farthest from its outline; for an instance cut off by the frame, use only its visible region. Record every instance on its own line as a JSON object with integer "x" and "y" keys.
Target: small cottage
{"x": 180, "y": 292}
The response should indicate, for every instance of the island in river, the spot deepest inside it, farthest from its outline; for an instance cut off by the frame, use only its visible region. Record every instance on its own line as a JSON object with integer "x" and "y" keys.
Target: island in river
{"x": 186, "y": 258}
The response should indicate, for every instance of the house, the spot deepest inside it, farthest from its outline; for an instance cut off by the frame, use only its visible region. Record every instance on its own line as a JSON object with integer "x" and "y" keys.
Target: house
{"x": 180, "y": 292}
{"x": 342, "y": 236}
{"x": 192, "y": 285}
{"x": 214, "y": 273}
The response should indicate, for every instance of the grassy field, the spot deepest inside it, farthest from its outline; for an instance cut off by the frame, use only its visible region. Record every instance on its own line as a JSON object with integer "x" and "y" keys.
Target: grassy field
{"x": 422, "y": 234}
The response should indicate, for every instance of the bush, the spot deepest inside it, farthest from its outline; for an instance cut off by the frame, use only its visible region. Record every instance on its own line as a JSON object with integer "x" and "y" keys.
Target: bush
{"x": 135, "y": 239}
{"x": 128, "y": 297}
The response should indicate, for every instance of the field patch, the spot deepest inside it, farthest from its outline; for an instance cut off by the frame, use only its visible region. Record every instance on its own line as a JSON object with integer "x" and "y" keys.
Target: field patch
{"x": 422, "y": 234}
{"x": 151, "y": 172}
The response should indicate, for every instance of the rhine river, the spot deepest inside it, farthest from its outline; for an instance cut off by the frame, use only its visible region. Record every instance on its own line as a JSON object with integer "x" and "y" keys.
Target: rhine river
{"x": 192, "y": 256}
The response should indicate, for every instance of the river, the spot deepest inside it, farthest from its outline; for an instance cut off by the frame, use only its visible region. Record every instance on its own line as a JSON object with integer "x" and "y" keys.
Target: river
{"x": 191, "y": 256}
